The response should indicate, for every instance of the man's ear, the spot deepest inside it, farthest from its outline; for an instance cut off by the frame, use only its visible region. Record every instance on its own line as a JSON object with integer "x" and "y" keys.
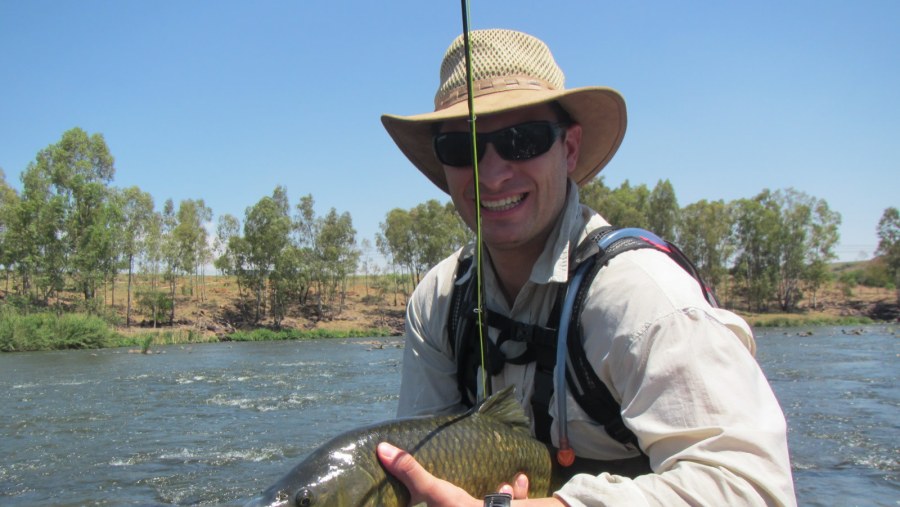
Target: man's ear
{"x": 572, "y": 145}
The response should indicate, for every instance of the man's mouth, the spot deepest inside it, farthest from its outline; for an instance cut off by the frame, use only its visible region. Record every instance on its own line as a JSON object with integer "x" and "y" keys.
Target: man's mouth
{"x": 502, "y": 204}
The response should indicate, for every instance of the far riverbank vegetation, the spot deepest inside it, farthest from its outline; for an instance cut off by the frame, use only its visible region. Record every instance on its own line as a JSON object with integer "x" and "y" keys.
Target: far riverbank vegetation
{"x": 88, "y": 264}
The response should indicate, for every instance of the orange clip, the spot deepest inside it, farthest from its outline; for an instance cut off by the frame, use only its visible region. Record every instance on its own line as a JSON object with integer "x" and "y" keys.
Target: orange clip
{"x": 565, "y": 457}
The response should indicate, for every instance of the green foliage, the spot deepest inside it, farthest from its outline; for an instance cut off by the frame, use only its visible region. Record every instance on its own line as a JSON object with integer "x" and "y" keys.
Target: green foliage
{"x": 96, "y": 308}
{"x": 664, "y": 214}
{"x": 419, "y": 238}
{"x": 776, "y": 244}
{"x": 154, "y": 304}
{"x": 69, "y": 226}
{"x": 625, "y": 206}
{"x": 278, "y": 259}
{"x": 784, "y": 239}
{"x": 868, "y": 274}
{"x": 706, "y": 236}
{"x": 797, "y": 320}
{"x": 300, "y": 334}
{"x": 889, "y": 244}
{"x": 46, "y": 331}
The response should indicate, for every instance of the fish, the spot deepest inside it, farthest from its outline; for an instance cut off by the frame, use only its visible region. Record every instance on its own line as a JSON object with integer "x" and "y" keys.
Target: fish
{"x": 477, "y": 450}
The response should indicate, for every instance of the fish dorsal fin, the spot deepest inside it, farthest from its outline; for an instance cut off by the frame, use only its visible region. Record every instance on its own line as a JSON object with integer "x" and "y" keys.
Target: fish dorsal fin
{"x": 503, "y": 407}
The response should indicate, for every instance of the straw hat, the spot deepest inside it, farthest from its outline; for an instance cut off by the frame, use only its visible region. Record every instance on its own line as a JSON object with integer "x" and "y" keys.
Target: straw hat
{"x": 511, "y": 70}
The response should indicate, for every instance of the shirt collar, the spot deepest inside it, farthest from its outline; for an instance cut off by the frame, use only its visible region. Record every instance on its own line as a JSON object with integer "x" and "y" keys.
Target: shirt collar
{"x": 553, "y": 263}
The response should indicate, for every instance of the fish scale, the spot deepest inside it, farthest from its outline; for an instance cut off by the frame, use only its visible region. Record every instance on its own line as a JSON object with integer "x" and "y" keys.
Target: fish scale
{"x": 477, "y": 451}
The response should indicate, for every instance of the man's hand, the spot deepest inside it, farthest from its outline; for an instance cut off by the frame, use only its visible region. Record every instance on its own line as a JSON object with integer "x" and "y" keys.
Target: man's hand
{"x": 423, "y": 487}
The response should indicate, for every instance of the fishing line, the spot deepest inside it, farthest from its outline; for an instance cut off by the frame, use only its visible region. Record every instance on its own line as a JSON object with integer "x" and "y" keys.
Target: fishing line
{"x": 479, "y": 242}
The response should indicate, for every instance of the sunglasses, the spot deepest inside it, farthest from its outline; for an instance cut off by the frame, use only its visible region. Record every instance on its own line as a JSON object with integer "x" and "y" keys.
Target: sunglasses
{"x": 518, "y": 142}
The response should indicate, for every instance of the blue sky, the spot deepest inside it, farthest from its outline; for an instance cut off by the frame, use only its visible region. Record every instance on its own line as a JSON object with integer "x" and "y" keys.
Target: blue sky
{"x": 225, "y": 100}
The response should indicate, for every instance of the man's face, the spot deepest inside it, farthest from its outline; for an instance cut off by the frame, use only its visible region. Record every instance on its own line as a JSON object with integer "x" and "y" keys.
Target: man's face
{"x": 520, "y": 200}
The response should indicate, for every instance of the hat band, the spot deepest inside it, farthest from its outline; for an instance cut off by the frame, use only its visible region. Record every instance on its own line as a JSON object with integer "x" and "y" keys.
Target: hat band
{"x": 487, "y": 87}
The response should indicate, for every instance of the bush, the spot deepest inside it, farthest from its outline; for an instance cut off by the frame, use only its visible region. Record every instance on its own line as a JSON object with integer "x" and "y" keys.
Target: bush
{"x": 299, "y": 334}
{"x": 46, "y": 331}
{"x": 155, "y": 304}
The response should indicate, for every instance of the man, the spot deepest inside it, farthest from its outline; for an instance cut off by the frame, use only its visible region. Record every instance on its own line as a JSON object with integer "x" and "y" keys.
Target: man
{"x": 682, "y": 371}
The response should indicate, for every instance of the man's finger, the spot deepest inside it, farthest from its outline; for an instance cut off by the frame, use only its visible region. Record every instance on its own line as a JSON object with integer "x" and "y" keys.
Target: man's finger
{"x": 520, "y": 487}
{"x": 405, "y": 468}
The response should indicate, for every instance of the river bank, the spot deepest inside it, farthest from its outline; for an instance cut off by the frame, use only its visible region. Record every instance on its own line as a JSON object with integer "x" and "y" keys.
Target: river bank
{"x": 212, "y": 313}
{"x": 365, "y": 314}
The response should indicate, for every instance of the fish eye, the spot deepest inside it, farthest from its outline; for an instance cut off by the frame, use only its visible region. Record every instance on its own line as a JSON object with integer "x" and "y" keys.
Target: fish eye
{"x": 304, "y": 498}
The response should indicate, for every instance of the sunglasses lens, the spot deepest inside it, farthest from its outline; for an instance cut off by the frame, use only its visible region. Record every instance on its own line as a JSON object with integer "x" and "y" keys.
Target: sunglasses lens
{"x": 519, "y": 142}
{"x": 454, "y": 148}
{"x": 525, "y": 141}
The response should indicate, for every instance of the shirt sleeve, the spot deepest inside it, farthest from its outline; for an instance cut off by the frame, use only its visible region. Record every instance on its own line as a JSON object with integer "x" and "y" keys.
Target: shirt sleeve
{"x": 690, "y": 390}
{"x": 428, "y": 376}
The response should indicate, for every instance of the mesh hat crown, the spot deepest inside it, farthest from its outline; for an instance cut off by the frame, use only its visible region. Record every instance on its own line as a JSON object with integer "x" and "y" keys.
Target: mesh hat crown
{"x": 510, "y": 70}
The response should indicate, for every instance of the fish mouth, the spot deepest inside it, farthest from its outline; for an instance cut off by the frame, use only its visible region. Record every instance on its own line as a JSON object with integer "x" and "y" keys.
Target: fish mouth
{"x": 279, "y": 499}
{"x": 503, "y": 204}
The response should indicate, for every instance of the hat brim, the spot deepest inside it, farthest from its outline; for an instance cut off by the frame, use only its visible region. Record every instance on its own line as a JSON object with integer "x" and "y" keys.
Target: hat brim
{"x": 599, "y": 110}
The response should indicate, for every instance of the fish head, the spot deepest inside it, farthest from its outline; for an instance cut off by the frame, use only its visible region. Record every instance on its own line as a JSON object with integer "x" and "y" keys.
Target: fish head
{"x": 330, "y": 477}
{"x": 334, "y": 492}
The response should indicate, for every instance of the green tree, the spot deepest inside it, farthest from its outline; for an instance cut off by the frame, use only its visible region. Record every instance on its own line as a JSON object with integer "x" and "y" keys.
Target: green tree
{"x": 80, "y": 168}
{"x": 36, "y": 229}
{"x": 438, "y": 231}
{"x": 191, "y": 240}
{"x": 625, "y": 206}
{"x": 169, "y": 252}
{"x": 289, "y": 280}
{"x": 663, "y": 209}
{"x": 757, "y": 233}
{"x": 227, "y": 226}
{"x": 307, "y": 228}
{"x": 823, "y": 237}
{"x": 809, "y": 231}
{"x": 795, "y": 215}
{"x": 137, "y": 212}
{"x": 64, "y": 220}
{"x": 329, "y": 245}
{"x": 267, "y": 228}
{"x": 889, "y": 244}
{"x": 9, "y": 206}
{"x": 336, "y": 244}
{"x": 151, "y": 261}
{"x": 420, "y": 238}
{"x": 705, "y": 234}
{"x": 595, "y": 193}
{"x": 397, "y": 242}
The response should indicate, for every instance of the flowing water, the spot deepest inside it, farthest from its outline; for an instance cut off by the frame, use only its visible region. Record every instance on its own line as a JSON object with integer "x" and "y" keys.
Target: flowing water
{"x": 217, "y": 423}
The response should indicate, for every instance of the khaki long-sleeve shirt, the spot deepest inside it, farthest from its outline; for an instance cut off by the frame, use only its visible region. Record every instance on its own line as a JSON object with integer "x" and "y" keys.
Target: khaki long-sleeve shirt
{"x": 683, "y": 372}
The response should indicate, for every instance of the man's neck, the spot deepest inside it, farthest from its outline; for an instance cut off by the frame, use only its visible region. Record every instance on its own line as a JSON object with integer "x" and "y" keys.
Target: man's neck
{"x": 513, "y": 268}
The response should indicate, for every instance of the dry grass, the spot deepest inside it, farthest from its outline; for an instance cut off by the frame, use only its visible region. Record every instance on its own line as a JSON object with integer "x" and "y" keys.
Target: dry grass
{"x": 208, "y": 310}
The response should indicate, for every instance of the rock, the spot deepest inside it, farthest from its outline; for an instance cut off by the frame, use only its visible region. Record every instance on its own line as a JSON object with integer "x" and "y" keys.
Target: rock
{"x": 883, "y": 310}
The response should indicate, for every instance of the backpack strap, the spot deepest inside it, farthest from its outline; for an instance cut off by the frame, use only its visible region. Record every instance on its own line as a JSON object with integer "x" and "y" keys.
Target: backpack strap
{"x": 592, "y": 395}
{"x": 461, "y": 332}
{"x": 589, "y": 391}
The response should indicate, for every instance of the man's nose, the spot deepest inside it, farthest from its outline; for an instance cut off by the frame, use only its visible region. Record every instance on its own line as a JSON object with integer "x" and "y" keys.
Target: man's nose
{"x": 492, "y": 169}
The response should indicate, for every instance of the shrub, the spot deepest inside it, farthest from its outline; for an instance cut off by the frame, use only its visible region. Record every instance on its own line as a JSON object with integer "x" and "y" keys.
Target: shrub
{"x": 155, "y": 304}
{"x": 46, "y": 331}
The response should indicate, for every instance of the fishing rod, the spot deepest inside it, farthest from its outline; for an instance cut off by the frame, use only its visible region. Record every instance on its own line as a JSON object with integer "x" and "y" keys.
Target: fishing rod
{"x": 479, "y": 241}
{"x": 565, "y": 455}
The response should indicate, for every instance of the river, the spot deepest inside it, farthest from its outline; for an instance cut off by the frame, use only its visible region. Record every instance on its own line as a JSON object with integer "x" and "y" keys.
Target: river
{"x": 217, "y": 423}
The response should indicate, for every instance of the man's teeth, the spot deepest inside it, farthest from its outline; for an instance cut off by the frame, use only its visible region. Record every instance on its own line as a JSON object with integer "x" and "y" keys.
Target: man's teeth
{"x": 502, "y": 204}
